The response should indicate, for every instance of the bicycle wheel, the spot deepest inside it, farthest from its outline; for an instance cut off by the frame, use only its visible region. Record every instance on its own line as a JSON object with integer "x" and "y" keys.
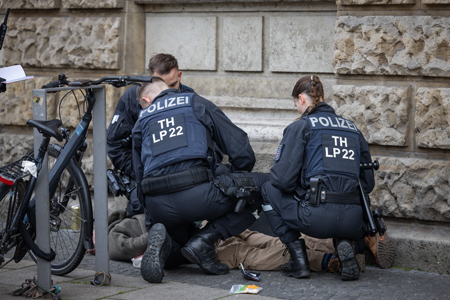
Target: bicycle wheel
{"x": 67, "y": 213}
{"x": 4, "y": 207}
{"x": 9, "y": 205}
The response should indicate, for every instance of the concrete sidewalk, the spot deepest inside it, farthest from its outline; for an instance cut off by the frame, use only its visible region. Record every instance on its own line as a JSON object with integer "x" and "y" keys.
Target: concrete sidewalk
{"x": 76, "y": 286}
{"x": 189, "y": 282}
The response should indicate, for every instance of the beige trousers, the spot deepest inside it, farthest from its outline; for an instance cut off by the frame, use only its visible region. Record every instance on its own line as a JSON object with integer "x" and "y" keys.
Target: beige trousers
{"x": 258, "y": 251}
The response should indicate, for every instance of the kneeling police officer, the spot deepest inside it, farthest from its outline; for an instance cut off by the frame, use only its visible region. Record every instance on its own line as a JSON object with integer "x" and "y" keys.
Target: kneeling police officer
{"x": 176, "y": 134}
{"x": 314, "y": 187}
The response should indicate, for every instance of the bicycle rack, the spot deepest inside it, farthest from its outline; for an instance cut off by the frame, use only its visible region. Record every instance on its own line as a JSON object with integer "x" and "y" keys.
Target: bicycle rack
{"x": 12, "y": 172}
{"x": 100, "y": 183}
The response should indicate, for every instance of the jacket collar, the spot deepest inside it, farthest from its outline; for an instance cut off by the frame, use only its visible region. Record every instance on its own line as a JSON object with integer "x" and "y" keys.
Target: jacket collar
{"x": 165, "y": 93}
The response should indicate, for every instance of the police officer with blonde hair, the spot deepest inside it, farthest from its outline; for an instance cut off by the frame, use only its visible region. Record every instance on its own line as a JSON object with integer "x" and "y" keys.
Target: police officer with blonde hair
{"x": 165, "y": 66}
{"x": 177, "y": 134}
{"x": 313, "y": 186}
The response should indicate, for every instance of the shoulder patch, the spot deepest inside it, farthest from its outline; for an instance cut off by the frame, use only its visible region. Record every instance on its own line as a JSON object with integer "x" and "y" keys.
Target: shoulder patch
{"x": 114, "y": 119}
{"x": 280, "y": 148}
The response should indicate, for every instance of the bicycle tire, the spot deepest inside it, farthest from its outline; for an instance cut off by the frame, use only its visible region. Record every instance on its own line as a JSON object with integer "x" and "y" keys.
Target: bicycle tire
{"x": 67, "y": 239}
{"x": 8, "y": 205}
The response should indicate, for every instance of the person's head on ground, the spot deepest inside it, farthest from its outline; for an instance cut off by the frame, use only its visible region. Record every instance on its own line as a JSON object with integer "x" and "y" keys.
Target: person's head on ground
{"x": 308, "y": 92}
{"x": 149, "y": 90}
{"x": 165, "y": 66}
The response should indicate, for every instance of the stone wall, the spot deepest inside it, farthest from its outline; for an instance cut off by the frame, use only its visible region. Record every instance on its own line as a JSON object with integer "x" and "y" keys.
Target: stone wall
{"x": 82, "y": 39}
{"x": 384, "y": 63}
{"x": 393, "y": 67}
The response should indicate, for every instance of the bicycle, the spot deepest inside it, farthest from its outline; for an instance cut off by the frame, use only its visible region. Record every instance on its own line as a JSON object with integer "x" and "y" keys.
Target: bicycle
{"x": 70, "y": 205}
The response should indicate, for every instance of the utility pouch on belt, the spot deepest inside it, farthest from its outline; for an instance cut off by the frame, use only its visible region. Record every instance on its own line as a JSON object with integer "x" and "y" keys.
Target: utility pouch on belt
{"x": 154, "y": 186}
{"x": 315, "y": 184}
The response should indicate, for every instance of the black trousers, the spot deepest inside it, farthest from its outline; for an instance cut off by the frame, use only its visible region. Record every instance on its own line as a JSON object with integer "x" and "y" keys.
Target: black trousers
{"x": 205, "y": 201}
{"x": 134, "y": 206}
{"x": 290, "y": 217}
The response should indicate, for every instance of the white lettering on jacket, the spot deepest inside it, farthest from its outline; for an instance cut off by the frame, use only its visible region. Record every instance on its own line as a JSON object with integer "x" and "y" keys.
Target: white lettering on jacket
{"x": 169, "y": 102}
{"x": 328, "y": 122}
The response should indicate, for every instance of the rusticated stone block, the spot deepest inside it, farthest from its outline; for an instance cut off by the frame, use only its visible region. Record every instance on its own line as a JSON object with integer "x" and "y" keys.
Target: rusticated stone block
{"x": 13, "y": 147}
{"x": 392, "y": 45}
{"x": 380, "y": 112}
{"x": 194, "y": 46}
{"x": 1, "y": 51}
{"x": 92, "y": 4}
{"x": 432, "y": 118}
{"x": 374, "y": 2}
{"x": 249, "y": 86}
{"x": 242, "y": 43}
{"x": 298, "y": 45}
{"x": 222, "y": 1}
{"x": 435, "y": 1}
{"x": 30, "y": 4}
{"x": 83, "y": 43}
{"x": 413, "y": 188}
{"x": 16, "y": 105}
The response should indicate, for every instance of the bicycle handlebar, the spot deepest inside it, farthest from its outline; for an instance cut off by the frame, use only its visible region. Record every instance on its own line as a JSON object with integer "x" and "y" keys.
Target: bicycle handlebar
{"x": 62, "y": 80}
{"x": 116, "y": 81}
{"x": 367, "y": 166}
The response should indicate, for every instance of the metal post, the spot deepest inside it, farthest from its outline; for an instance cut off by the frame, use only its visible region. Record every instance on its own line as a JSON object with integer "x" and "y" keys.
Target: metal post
{"x": 41, "y": 194}
{"x": 100, "y": 183}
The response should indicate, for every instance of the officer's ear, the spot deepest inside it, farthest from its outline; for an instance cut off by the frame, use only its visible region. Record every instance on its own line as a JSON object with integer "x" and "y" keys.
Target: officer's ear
{"x": 301, "y": 99}
{"x": 146, "y": 101}
{"x": 179, "y": 76}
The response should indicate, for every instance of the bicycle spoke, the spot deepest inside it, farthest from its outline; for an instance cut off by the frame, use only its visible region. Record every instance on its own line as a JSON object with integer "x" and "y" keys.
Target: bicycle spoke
{"x": 67, "y": 224}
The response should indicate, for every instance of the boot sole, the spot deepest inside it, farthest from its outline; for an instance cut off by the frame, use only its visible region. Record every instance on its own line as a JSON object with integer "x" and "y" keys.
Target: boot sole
{"x": 152, "y": 265}
{"x": 349, "y": 264}
{"x": 385, "y": 252}
{"x": 193, "y": 258}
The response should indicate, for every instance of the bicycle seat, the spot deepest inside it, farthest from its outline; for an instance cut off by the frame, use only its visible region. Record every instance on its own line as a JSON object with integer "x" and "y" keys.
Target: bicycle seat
{"x": 47, "y": 128}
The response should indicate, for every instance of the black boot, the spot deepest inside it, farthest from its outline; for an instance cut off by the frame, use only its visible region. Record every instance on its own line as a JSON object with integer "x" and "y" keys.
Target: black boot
{"x": 175, "y": 258}
{"x": 200, "y": 250}
{"x": 349, "y": 267}
{"x": 298, "y": 265}
{"x": 159, "y": 245}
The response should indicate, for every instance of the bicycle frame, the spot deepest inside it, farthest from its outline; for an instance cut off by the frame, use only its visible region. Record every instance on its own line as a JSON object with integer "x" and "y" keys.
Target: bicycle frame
{"x": 71, "y": 154}
{"x": 67, "y": 156}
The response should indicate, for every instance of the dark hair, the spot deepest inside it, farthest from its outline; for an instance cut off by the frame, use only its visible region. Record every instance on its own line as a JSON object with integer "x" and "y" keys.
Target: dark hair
{"x": 162, "y": 63}
{"x": 312, "y": 86}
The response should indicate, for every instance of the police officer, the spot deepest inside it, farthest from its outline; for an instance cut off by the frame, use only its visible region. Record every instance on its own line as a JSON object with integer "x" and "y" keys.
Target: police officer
{"x": 125, "y": 116}
{"x": 313, "y": 186}
{"x": 176, "y": 133}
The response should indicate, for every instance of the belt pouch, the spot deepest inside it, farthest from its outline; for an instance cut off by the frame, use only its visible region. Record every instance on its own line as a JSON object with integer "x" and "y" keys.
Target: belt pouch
{"x": 315, "y": 184}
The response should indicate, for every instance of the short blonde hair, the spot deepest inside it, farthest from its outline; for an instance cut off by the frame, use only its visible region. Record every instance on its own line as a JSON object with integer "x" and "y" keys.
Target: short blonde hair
{"x": 147, "y": 88}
